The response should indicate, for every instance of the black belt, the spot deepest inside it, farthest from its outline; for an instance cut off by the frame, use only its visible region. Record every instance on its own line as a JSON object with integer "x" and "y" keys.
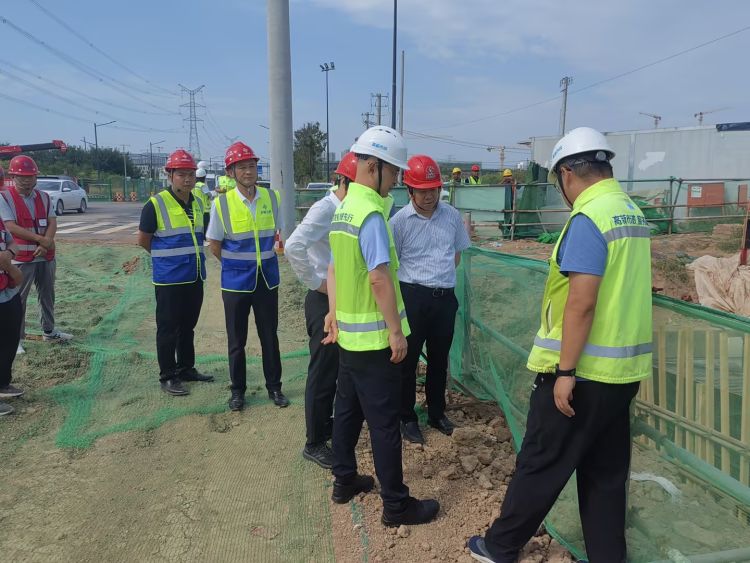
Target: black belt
{"x": 434, "y": 291}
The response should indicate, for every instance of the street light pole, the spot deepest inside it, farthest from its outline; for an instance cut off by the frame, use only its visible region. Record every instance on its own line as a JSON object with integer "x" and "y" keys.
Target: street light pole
{"x": 96, "y": 144}
{"x": 151, "y": 160}
{"x": 393, "y": 83}
{"x": 325, "y": 68}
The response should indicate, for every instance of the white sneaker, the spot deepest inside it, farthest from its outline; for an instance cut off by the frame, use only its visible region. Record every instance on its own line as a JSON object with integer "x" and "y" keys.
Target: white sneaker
{"x": 20, "y": 350}
{"x": 56, "y": 336}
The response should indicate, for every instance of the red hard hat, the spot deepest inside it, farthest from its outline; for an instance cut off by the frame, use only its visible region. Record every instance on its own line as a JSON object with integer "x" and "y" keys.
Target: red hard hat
{"x": 423, "y": 173}
{"x": 23, "y": 165}
{"x": 180, "y": 160}
{"x": 238, "y": 152}
{"x": 348, "y": 166}
{"x": 475, "y": 168}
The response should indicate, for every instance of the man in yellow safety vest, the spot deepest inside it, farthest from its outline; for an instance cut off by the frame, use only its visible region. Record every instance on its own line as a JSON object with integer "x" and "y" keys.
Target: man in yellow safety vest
{"x": 591, "y": 352}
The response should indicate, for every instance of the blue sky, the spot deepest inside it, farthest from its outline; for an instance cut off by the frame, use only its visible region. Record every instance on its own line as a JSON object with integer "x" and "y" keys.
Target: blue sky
{"x": 466, "y": 63}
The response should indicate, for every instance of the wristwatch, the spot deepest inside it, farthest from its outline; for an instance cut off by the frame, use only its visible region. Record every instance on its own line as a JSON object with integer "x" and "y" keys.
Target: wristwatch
{"x": 564, "y": 372}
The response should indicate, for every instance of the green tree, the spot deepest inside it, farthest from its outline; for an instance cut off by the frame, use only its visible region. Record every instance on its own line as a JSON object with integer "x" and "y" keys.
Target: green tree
{"x": 309, "y": 151}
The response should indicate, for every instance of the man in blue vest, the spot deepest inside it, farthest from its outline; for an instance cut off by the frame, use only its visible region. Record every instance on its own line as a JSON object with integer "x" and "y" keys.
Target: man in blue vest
{"x": 171, "y": 230}
{"x": 241, "y": 234}
{"x": 591, "y": 352}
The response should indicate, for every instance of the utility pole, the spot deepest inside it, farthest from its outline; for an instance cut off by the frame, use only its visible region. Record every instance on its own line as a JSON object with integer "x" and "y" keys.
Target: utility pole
{"x": 393, "y": 82}
{"x": 565, "y": 82}
{"x": 325, "y": 68}
{"x": 193, "y": 146}
{"x": 401, "y": 99}
{"x": 378, "y": 108}
{"x": 366, "y": 119}
{"x": 151, "y": 159}
{"x": 96, "y": 143}
{"x": 502, "y": 157}
{"x": 124, "y": 168}
{"x": 280, "y": 107}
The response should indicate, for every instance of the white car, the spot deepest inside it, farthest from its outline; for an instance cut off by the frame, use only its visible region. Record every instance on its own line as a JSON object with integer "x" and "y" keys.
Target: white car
{"x": 64, "y": 193}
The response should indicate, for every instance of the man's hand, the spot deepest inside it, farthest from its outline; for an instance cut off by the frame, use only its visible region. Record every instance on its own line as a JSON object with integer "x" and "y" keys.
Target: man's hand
{"x": 47, "y": 242}
{"x": 40, "y": 251}
{"x": 564, "y": 395}
{"x": 331, "y": 328}
{"x": 323, "y": 287}
{"x": 398, "y": 344}
{"x": 5, "y": 260}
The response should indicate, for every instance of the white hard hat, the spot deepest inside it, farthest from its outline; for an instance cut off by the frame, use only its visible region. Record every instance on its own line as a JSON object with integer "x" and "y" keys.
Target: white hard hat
{"x": 384, "y": 143}
{"x": 202, "y": 164}
{"x": 580, "y": 140}
{"x": 200, "y": 173}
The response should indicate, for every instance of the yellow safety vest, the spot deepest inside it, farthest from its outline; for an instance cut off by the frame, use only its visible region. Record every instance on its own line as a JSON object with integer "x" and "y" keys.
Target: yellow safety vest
{"x": 620, "y": 343}
{"x": 360, "y": 322}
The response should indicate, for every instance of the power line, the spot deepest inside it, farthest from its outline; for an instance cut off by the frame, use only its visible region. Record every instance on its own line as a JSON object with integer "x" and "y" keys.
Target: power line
{"x": 68, "y": 100}
{"x": 79, "y": 118}
{"x": 98, "y": 50}
{"x": 458, "y": 142}
{"x": 113, "y": 83}
{"x": 600, "y": 82}
{"x": 81, "y": 93}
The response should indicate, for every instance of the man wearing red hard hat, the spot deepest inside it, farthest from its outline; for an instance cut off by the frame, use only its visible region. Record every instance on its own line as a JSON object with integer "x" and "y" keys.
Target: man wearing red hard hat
{"x": 171, "y": 230}
{"x": 429, "y": 236}
{"x": 241, "y": 234}
{"x": 474, "y": 179}
{"x": 309, "y": 254}
{"x": 28, "y": 216}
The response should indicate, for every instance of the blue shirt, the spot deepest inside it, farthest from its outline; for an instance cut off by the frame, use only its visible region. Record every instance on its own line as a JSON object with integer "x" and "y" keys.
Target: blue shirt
{"x": 373, "y": 241}
{"x": 583, "y": 249}
{"x": 427, "y": 246}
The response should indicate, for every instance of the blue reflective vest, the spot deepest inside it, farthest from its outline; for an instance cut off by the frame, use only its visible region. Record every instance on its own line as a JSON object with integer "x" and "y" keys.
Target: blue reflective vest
{"x": 177, "y": 246}
{"x": 248, "y": 246}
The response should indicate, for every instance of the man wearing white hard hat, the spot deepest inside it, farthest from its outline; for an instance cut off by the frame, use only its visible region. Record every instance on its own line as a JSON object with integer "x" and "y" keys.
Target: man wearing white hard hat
{"x": 591, "y": 352}
{"x": 368, "y": 320}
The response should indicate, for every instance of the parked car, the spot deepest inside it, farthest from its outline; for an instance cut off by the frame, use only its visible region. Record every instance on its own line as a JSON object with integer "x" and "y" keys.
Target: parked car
{"x": 319, "y": 186}
{"x": 64, "y": 193}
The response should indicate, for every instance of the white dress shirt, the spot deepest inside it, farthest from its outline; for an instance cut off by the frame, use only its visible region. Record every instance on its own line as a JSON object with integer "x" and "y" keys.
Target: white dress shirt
{"x": 308, "y": 249}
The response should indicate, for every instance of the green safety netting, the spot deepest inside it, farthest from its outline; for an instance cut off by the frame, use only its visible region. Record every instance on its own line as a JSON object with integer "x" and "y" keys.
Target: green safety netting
{"x": 689, "y": 494}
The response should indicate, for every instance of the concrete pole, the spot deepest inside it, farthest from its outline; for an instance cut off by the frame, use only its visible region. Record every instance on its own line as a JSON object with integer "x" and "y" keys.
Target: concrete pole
{"x": 401, "y": 99}
{"x": 280, "y": 109}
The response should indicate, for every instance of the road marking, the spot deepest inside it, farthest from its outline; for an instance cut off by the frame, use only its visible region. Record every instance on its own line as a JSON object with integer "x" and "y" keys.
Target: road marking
{"x": 115, "y": 229}
{"x": 84, "y": 228}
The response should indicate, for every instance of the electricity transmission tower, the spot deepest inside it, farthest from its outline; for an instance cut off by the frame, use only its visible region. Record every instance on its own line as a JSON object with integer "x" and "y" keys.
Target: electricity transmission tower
{"x": 194, "y": 147}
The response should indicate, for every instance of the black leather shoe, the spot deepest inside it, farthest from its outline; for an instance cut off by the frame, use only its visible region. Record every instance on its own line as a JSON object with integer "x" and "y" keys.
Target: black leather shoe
{"x": 174, "y": 387}
{"x": 344, "y": 493}
{"x": 411, "y": 433}
{"x": 320, "y": 454}
{"x": 193, "y": 374}
{"x": 237, "y": 402}
{"x": 442, "y": 424}
{"x": 416, "y": 512}
{"x": 278, "y": 399}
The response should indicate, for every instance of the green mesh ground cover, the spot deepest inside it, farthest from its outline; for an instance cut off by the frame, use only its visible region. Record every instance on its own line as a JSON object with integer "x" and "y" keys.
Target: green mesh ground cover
{"x": 702, "y": 358}
{"x": 109, "y": 385}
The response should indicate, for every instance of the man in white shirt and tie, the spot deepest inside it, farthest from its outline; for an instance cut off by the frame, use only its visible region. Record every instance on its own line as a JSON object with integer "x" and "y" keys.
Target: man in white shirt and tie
{"x": 309, "y": 254}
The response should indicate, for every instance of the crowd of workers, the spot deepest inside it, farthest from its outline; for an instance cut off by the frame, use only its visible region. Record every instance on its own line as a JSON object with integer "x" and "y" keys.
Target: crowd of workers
{"x": 381, "y": 293}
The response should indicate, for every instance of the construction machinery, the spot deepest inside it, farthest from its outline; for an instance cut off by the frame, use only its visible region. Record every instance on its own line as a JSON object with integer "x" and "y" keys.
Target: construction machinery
{"x": 9, "y": 151}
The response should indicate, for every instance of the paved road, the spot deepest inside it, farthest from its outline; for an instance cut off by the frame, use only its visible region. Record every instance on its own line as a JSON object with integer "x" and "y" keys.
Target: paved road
{"x": 104, "y": 220}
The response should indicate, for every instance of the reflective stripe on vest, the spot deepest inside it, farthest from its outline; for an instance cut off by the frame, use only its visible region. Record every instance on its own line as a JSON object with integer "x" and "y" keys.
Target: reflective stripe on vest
{"x": 620, "y": 342}
{"x": 26, "y": 248}
{"x": 360, "y": 322}
{"x": 177, "y": 246}
{"x": 247, "y": 248}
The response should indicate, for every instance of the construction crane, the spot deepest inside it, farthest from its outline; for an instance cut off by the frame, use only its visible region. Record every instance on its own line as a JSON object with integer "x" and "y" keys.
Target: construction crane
{"x": 700, "y": 114}
{"x": 656, "y": 118}
{"x": 9, "y": 151}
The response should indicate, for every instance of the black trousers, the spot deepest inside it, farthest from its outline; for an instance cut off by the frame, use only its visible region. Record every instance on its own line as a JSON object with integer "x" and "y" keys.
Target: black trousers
{"x": 264, "y": 303}
{"x": 596, "y": 444}
{"x": 369, "y": 388}
{"x": 432, "y": 318}
{"x": 177, "y": 310}
{"x": 10, "y": 335}
{"x": 322, "y": 372}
